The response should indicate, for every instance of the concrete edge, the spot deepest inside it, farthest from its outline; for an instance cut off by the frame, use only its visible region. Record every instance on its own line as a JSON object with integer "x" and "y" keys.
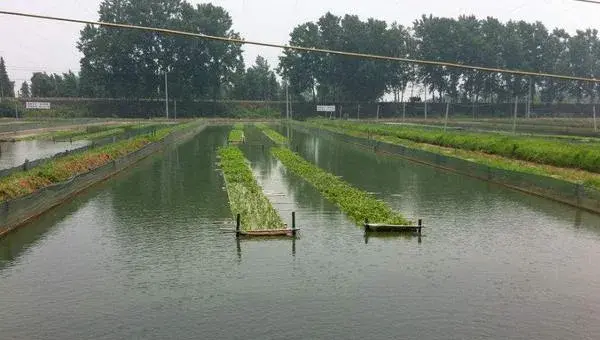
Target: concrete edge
{"x": 18, "y": 212}
{"x": 578, "y": 200}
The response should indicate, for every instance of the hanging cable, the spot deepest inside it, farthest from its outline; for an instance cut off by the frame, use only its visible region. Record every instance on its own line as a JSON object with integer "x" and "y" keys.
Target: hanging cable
{"x": 301, "y": 48}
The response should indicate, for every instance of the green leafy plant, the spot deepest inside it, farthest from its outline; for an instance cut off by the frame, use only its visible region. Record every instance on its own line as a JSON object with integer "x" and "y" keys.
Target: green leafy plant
{"x": 574, "y": 175}
{"x": 357, "y": 204}
{"x": 273, "y": 135}
{"x": 236, "y": 136}
{"x": 531, "y": 149}
{"x": 245, "y": 195}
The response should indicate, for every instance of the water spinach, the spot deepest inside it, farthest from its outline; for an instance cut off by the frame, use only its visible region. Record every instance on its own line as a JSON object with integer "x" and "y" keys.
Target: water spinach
{"x": 245, "y": 195}
{"x": 357, "y": 204}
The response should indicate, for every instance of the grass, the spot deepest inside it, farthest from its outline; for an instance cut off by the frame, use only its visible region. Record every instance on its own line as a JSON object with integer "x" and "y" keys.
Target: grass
{"x": 61, "y": 169}
{"x": 357, "y": 204}
{"x": 273, "y": 135}
{"x": 245, "y": 195}
{"x": 536, "y": 150}
{"x": 578, "y": 176}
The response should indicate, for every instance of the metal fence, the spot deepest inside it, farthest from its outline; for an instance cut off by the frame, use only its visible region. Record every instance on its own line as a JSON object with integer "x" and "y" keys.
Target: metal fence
{"x": 155, "y": 107}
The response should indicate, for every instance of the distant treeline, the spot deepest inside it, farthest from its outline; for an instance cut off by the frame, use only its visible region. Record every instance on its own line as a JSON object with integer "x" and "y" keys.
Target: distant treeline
{"x": 121, "y": 63}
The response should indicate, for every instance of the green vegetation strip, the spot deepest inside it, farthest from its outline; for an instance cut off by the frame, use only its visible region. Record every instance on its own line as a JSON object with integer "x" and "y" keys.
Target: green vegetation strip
{"x": 93, "y": 132}
{"x": 61, "y": 169}
{"x": 357, "y": 204}
{"x": 237, "y": 134}
{"x": 577, "y": 176}
{"x": 245, "y": 195}
{"x": 273, "y": 135}
{"x": 536, "y": 150}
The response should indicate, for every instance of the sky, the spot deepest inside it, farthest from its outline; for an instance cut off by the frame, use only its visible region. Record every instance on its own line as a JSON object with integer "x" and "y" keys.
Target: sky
{"x": 30, "y": 45}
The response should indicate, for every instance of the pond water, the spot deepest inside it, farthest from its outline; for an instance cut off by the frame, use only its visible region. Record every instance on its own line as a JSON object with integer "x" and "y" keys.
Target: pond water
{"x": 15, "y": 153}
{"x": 143, "y": 256}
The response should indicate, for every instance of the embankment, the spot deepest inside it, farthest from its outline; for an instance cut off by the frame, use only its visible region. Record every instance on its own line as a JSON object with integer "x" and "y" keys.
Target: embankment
{"x": 569, "y": 193}
{"x": 16, "y": 212}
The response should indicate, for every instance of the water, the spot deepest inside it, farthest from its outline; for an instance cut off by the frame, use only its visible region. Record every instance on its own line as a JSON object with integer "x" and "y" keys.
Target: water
{"x": 142, "y": 256}
{"x": 15, "y": 153}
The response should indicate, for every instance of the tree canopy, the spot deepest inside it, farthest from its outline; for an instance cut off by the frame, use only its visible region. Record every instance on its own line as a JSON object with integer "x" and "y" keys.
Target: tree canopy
{"x": 516, "y": 45}
{"x": 259, "y": 82}
{"x": 122, "y": 63}
{"x": 7, "y": 87}
{"x": 127, "y": 63}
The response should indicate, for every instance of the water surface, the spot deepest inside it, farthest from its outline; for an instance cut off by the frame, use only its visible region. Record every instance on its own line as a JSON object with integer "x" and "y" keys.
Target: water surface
{"x": 143, "y": 256}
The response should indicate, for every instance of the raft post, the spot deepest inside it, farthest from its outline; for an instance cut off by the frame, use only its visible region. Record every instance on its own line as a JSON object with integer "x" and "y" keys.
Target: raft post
{"x": 237, "y": 225}
{"x": 294, "y": 223}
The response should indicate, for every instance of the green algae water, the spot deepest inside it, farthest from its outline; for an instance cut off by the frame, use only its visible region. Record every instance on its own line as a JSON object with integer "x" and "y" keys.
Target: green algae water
{"x": 142, "y": 255}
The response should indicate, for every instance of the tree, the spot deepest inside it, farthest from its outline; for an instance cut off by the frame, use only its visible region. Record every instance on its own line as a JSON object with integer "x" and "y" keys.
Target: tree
{"x": 24, "y": 91}
{"x": 42, "y": 85}
{"x": 302, "y": 68}
{"x": 258, "y": 83}
{"x": 400, "y": 74}
{"x": 69, "y": 85}
{"x": 7, "y": 87}
{"x": 128, "y": 63}
{"x": 334, "y": 77}
{"x": 583, "y": 54}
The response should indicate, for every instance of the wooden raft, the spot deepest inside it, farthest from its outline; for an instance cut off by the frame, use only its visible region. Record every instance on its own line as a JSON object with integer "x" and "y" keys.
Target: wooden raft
{"x": 287, "y": 232}
{"x": 379, "y": 227}
{"x": 271, "y": 232}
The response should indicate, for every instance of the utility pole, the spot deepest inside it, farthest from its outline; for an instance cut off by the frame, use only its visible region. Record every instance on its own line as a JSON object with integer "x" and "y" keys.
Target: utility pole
{"x": 446, "y": 119}
{"x": 425, "y": 107}
{"x": 287, "y": 101}
{"x": 514, "y": 129}
{"x": 529, "y": 97}
{"x": 166, "y": 95}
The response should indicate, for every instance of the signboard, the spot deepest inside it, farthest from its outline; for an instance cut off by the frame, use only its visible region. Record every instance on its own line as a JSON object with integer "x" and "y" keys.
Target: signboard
{"x": 37, "y": 105}
{"x": 325, "y": 108}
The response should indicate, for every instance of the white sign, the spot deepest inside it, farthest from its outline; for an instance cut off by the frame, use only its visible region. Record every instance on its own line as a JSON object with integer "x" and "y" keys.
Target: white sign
{"x": 325, "y": 108}
{"x": 37, "y": 105}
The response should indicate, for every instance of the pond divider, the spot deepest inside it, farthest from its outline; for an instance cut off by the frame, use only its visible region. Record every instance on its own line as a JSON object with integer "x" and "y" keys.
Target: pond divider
{"x": 573, "y": 194}
{"x": 18, "y": 211}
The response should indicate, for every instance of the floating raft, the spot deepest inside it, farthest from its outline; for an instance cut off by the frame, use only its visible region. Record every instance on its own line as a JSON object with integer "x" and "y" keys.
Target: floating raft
{"x": 390, "y": 228}
{"x": 269, "y": 232}
{"x": 287, "y": 232}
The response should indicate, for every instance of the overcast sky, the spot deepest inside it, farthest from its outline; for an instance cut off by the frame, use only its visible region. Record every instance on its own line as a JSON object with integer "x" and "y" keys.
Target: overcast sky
{"x": 29, "y": 45}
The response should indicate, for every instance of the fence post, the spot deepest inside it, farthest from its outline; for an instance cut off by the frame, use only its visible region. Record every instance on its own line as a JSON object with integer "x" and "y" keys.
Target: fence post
{"x": 595, "y": 125}
{"x": 377, "y": 111}
{"x": 446, "y": 119}
{"x": 425, "y": 101}
{"x": 404, "y": 111}
{"x": 358, "y": 112}
{"x": 514, "y": 129}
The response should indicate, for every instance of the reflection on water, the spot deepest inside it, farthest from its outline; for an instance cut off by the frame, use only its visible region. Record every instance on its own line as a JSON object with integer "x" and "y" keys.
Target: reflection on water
{"x": 15, "y": 153}
{"x": 143, "y": 256}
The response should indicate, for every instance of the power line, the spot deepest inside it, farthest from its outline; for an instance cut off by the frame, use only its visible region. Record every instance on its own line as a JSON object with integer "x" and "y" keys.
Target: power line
{"x": 304, "y": 49}
{"x": 589, "y": 1}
